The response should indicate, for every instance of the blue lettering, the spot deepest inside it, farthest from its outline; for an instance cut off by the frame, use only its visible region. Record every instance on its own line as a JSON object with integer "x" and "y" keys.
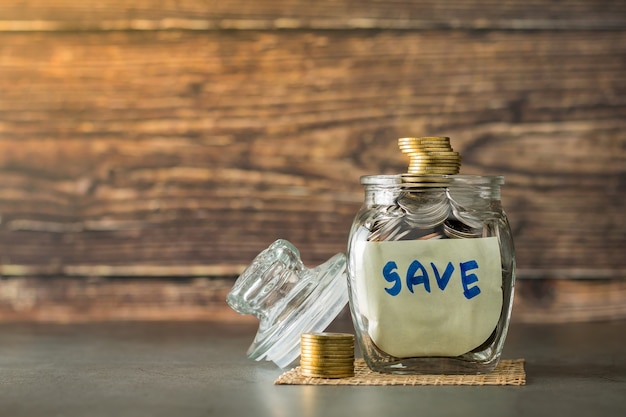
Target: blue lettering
{"x": 391, "y": 276}
{"x": 468, "y": 279}
{"x": 412, "y": 279}
{"x": 416, "y": 274}
{"x": 442, "y": 281}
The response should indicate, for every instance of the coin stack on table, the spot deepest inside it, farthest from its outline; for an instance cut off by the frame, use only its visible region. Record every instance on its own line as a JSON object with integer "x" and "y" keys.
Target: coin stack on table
{"x": 327, "y": 355}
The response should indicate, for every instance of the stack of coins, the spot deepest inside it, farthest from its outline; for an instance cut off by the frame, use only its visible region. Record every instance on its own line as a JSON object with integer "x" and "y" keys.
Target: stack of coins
{"x": 430, "y": 156}
{"x": 327, "y": 355}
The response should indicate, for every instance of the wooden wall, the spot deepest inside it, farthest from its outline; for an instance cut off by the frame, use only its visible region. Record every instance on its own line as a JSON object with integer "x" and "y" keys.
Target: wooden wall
{"x": 150, "y": 149}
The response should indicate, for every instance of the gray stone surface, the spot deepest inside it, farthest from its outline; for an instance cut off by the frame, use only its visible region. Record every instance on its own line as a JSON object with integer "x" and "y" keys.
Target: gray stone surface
{"x": 200, "y": 369}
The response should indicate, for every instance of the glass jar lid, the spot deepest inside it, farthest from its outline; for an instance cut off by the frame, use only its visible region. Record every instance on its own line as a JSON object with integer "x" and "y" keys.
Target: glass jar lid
{"x": 288, "y": 299}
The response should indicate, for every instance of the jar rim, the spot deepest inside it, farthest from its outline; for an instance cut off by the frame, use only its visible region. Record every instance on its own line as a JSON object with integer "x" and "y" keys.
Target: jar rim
{"x": 431, "y": 180}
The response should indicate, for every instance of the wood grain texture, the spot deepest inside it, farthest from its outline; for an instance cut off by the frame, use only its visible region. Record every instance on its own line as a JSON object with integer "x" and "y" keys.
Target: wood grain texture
{"x": 182, "y": 149}
{"x": 63, "y": 299}
{"x": 29, "y": 15}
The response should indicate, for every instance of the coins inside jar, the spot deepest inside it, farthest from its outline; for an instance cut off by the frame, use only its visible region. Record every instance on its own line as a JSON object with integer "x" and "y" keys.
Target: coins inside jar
{"x": 327, "y": 355}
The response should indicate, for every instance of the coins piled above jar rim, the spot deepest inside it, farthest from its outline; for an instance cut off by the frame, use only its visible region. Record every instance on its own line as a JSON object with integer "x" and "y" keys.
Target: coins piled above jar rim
{"x": 431, "y": 155}
{"x": 327, "y": 355}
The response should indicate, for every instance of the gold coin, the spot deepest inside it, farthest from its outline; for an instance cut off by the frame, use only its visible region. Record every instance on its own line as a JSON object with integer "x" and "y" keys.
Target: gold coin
{"x": 327, "y": 366}
{"x": 432, "y": 166}
{"x": 434, "y": 161}
{"x": 329, "y": 342}
{"x": 424, "y": 138}
{"x": 319, "y": 357}
{"x": 314, "y": 375}
{"x": 424, "y": 157}
{"x": 431, "y": 161}
{"x": 326, "y": 340}
{"x": 314, "y": 357}
{"x": 443, "y": 155}
{"x": 328, "y": 370}
{"x": 447, "y": 173}
{"x": 435, "y": 141}
{"x": 329, "y": 350}
{"x": 428, "y": 158}
{"x": 433, "y": 170}
{"x": 435, "y": 165}
{"x": 417, "y": 144}
{"x": 348, "y": 367}
{"x": 440, "y": 138}
{"x": 325, "y": 371}
{"x": 326, "y": 375}
{"x": 430, "y": 155}
{"x": 322, "y": 358}
{"x": 425, "y": 148}
{"x": 338, "y": 354}
{"x": 338, "y": 343}
{"x": 419, "y": 141}
{"x": 435, "y": 146}
{"x": 309, "y": 360}
{"x": 437, "y": 154}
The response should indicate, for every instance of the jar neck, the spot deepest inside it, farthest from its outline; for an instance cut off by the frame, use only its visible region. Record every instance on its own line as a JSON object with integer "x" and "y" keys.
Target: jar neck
{"x": 381, "y": 196}
{"x": 385, "y": 189}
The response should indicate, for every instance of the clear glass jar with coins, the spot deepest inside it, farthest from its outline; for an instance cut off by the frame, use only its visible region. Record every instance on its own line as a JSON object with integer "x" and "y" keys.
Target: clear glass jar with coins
{"x": 431, "y": 266}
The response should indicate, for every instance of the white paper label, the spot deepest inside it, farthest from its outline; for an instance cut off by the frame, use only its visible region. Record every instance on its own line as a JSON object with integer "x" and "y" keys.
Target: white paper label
{"x": 431, "y": 297}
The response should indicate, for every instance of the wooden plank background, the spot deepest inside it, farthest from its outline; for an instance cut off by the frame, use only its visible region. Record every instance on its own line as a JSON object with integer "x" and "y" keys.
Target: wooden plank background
{"x": 175, "y": 140}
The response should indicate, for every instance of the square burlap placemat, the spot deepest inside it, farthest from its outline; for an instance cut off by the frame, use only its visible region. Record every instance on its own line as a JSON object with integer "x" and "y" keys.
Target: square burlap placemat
{"x": 508, "y": 372}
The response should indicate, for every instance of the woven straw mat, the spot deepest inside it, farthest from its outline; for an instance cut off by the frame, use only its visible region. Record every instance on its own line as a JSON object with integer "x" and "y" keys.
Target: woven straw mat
{"x": 508, "y": 372}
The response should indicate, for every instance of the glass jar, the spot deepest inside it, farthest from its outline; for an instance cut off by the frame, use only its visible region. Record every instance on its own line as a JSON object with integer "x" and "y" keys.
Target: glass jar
{"x": 431, "y": 272}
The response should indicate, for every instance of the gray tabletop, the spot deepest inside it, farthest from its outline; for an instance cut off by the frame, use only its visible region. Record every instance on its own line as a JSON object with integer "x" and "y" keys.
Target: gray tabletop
{"x": 200, "y": 369}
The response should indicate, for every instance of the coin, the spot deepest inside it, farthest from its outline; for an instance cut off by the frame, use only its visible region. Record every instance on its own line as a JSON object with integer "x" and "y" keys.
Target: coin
{"x": 346, "y": 373}
{"x": 327, "y": 366}
{"x": 345, "y": 352}
{"x": 430, "y": 155}
{"x": 330, "y": 356}
{"x": 319, "y": 355}
{"x": 333, "y": 352}
{"x": 433, "y": 166}
{"x": 323, "y": 360}
{"x": 440, "y": 171}
{"x": 326, "y": 362}
{"x": 325, "y": 341}
{"x": 329, "y": 375}
{"x": 424, "y": 139}
{"x": 327, "y": 355}
{"x": 326, "y": 350}
{"x": 455, "y": 229}
{"x": 330, "y": 367}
